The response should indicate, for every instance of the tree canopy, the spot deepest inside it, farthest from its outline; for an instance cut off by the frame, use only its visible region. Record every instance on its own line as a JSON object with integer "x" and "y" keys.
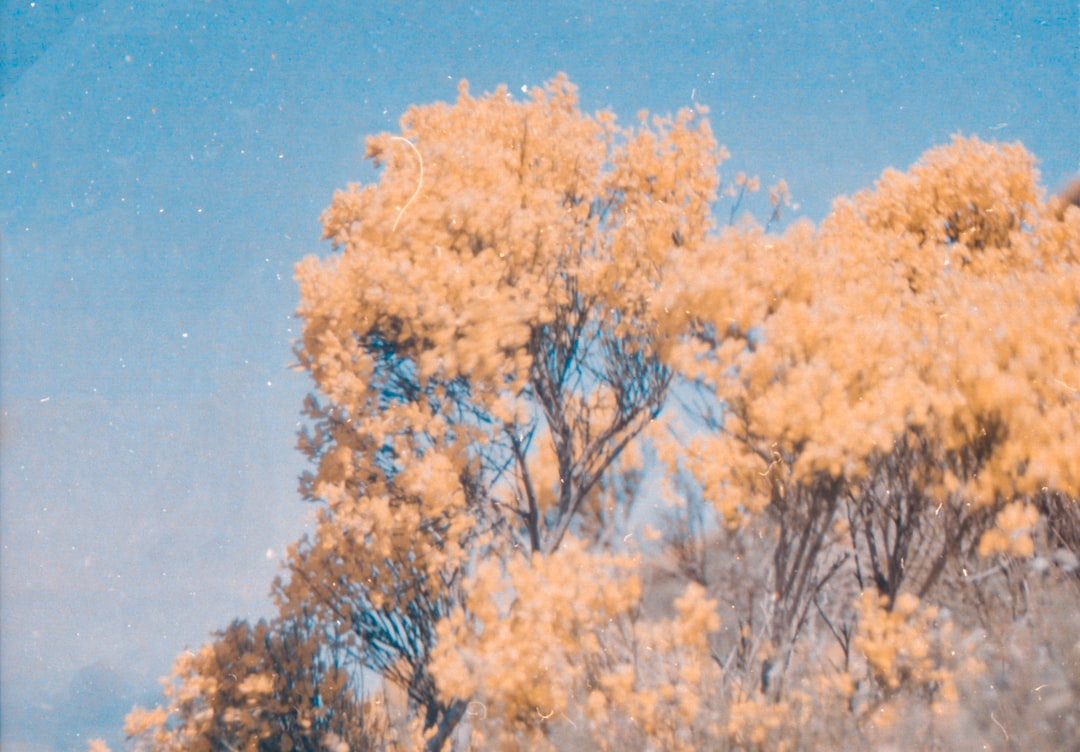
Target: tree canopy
{"x": 533, "y": 333}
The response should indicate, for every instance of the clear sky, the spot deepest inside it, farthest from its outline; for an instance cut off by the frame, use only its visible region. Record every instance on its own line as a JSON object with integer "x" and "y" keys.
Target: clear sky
{"x": 163, "y": 166}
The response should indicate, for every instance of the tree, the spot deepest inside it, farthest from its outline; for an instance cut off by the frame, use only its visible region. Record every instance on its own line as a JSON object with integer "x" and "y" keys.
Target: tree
{"x": 484, "y": 346}
{"x": 531, "y": 321}
{"x": 905, "y": 376}
{"x": 273, "y": 686}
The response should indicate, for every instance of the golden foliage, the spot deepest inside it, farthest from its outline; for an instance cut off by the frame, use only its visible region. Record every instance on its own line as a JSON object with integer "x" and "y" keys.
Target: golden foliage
{"x": 485, "y": 346}
{"x": 1011, "y": 533}
{"x": 912, "y": 362}
{"x": 524, "y": 683}
{"x": 941, "y": 305}
{"x": 253, "y": 688}
{"x": 909, "y": 645}
{"x": 864, "y": 405}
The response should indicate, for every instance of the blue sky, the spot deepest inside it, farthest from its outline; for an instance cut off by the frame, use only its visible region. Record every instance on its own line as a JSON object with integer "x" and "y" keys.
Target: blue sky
{"x": 163, "y": 166}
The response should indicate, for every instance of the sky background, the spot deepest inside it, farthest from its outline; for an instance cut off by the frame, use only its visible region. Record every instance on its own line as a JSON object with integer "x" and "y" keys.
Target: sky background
{"x": 163, "y": 166}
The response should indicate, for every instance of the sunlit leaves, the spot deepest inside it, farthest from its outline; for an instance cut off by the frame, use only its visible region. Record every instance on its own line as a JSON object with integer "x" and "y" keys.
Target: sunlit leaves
{"x": 272, "y": 686}
{"x": 868, "y": 407}
{"x": 943, "y": 305}
{"x": 484, "y": 344}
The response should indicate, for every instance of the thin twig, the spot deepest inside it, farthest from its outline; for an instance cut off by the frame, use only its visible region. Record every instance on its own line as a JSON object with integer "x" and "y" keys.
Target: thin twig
{"x": 419, "y": 183}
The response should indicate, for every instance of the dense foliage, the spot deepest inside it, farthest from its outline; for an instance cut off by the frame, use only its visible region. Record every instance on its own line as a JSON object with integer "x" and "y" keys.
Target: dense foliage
{"x": 594, "y": 472}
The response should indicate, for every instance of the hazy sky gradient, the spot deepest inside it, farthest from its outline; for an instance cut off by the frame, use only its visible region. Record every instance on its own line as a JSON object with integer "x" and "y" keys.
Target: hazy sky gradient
{"x": 163, "y": 166}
